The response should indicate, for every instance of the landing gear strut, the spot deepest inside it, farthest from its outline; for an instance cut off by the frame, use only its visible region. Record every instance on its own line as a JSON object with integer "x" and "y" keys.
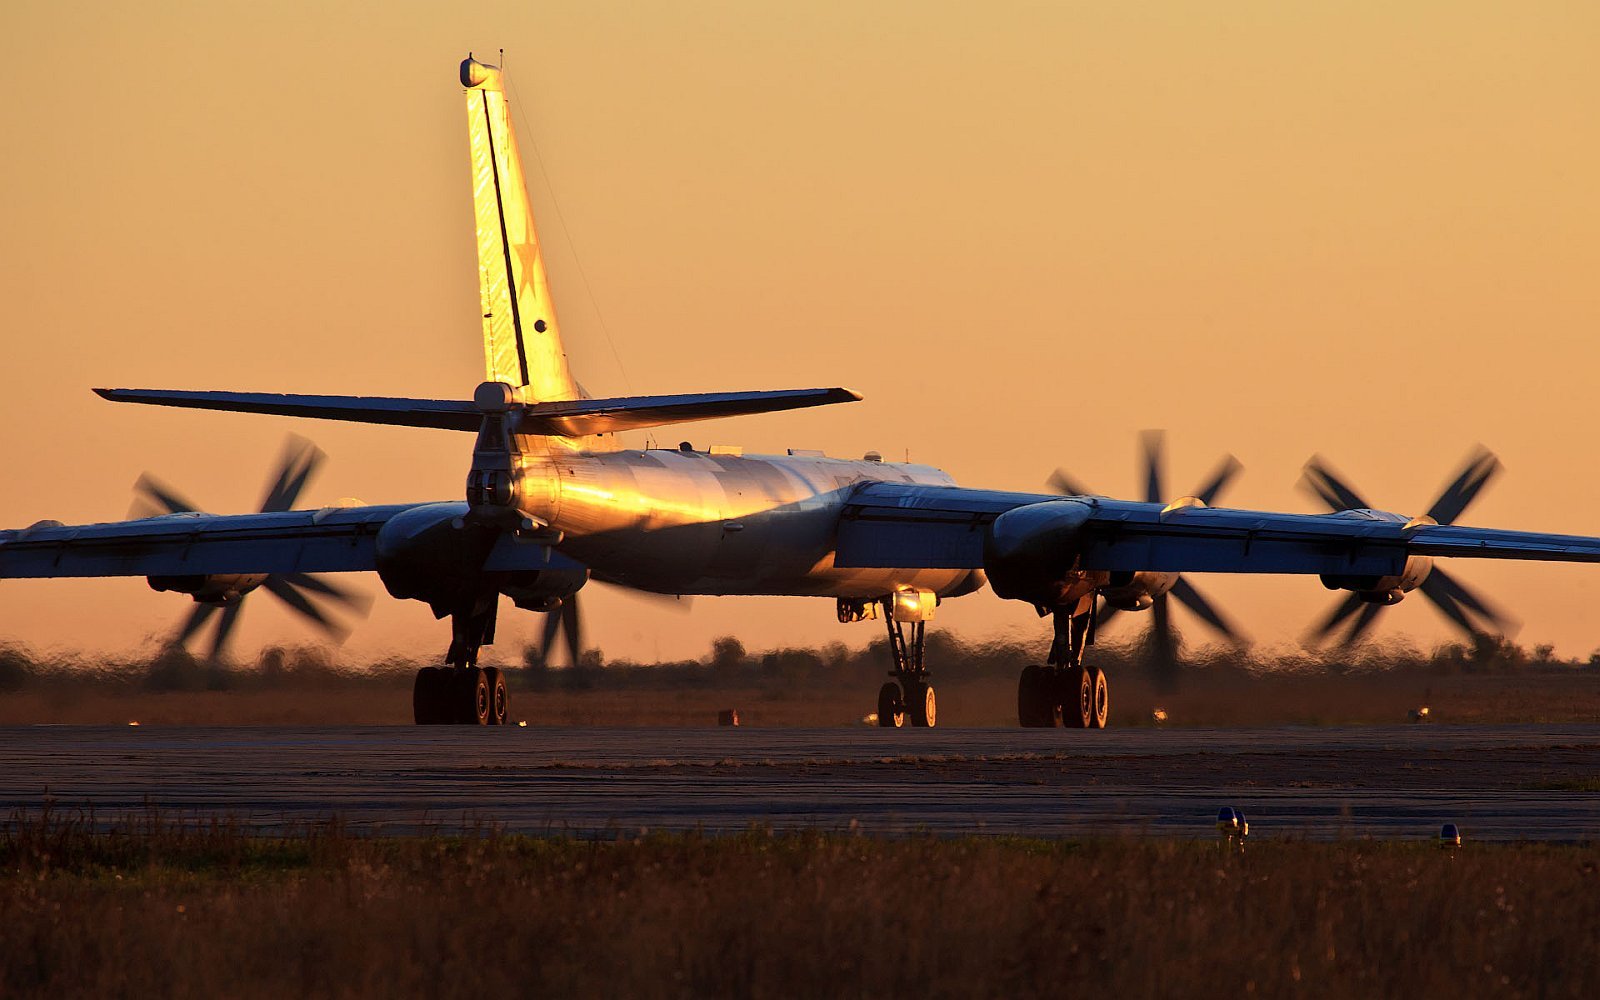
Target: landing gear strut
{"x": 461, "y": 692}
{"x": 909, "y": 697}
{"x": 1065, "y": 687}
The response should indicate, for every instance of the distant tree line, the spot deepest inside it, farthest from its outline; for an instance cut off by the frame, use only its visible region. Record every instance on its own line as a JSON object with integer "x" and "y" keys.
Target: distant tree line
{"x": 730, "y": 663}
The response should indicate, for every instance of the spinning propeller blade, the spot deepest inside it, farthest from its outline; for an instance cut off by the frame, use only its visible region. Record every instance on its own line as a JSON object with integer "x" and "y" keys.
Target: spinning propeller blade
{"x": 300, "y": 462}
{"x": 301, "y": 459}
{"x": 1464, "y": 609}
{"x": 564, "y": 620}
{"x": 1062, "y": 484}
{"x": 151, "y": 498}
{"x": 1164, "y": 637}
{"x": 225, "y": 624}
{"x": 1329, "y": 488}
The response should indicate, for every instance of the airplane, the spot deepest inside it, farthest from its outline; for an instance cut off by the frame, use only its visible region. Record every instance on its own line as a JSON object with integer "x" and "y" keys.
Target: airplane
{"x": 552, "y": 501}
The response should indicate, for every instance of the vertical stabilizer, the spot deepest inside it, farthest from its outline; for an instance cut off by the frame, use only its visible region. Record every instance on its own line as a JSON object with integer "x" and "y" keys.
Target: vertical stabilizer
{"x": 521, "y": 338}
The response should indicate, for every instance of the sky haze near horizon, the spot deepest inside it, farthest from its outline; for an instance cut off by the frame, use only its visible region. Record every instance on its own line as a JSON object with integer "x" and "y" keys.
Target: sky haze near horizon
{"x": 1023, "y": 232}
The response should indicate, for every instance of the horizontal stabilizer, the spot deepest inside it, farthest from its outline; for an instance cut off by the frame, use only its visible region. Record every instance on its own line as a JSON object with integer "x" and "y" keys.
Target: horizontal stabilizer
{"x": 567, "y": 418}
{"x": 575, "y": 418}
{"x": 451, "y": 414}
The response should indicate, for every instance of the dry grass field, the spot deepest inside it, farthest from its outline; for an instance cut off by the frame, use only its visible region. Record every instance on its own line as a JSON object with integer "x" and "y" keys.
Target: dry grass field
{"x": 163, "y": 908}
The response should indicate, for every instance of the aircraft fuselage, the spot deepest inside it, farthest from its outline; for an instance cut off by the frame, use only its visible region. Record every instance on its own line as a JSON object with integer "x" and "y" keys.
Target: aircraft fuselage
{"x": 693, "y": 522}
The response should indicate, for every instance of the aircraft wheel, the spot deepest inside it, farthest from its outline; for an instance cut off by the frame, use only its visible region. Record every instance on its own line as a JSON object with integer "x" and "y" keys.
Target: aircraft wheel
{"x": 1077, "y": 698}
{"x": 1099, "y": 698}
{"x": 499, "y": 697}
{"x": 1035, "y": 707}
{"x": 428, "y": 697}
{"x": 472, "y": 696}
{"x": 891, "y": 707}
{"x": 922, "y": 706}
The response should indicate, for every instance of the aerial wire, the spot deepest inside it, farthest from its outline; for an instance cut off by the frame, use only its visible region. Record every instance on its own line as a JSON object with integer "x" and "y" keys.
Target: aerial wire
{"x": 561, "y": 219}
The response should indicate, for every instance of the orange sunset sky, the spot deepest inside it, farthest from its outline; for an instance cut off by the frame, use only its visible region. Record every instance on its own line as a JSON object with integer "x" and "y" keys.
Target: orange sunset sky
{"x": 1023, "y": 231}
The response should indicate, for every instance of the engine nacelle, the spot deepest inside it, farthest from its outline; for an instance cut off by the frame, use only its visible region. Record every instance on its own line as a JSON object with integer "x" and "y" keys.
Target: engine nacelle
{"x": 216, "y": 588}
{"x": 1384, "y": 589}
{"x": 1127, "y": 591}
{"x": 1030, "y": 554}
{"x": 436, "y": 554}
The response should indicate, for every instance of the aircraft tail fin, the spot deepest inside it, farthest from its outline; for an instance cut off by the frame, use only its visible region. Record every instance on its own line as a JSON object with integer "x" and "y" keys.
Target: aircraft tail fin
{"x": 521, "y": 337}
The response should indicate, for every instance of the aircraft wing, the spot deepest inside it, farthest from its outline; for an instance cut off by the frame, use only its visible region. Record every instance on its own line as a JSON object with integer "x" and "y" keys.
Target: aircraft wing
{"x": 902, "y": 525}
{"x": 338, "y": 539}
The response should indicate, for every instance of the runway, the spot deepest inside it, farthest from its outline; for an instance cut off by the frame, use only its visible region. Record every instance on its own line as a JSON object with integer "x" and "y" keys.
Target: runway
{"x": 1498, "y": 783}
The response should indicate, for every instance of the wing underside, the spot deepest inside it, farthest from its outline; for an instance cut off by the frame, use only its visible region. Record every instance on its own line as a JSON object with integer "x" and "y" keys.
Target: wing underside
{"x": 945, "y": 527}
{"x": 334, "y": 540}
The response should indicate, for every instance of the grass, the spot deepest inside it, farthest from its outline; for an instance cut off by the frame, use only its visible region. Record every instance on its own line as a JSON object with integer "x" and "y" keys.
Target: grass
{"x": 202, "y": 908}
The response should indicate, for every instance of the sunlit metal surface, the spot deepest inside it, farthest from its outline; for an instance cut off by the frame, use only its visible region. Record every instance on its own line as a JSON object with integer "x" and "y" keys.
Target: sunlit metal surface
{"x": 521, "y": 337}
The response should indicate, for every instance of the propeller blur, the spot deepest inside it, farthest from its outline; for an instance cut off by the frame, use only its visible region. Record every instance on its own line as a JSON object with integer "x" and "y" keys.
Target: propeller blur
{"x": 1164, "y": 639}
{"x": 223, "y": 596}
{"x": 1359, "y": 611}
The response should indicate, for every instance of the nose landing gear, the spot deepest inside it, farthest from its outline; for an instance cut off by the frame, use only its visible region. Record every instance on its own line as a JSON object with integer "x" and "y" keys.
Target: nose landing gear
{"x": 909, "y": 697}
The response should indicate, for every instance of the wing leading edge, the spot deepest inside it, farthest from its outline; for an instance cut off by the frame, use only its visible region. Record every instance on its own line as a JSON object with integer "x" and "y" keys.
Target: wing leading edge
{"x": 334, "y": 540}
{"x": 902, "y": 525}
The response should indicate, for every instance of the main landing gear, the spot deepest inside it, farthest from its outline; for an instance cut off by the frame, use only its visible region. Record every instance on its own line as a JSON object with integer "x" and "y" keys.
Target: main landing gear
{"x": 1065, "y": 687}
{"x": 909, "y": 697}
{"x": 463, "y": 693}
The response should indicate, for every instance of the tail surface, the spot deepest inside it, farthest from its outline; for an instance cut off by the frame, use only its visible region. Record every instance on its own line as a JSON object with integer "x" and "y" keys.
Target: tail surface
{"x": 521, "y": 338}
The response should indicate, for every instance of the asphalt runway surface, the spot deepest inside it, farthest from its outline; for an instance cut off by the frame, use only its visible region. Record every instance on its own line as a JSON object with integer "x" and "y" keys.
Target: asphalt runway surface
{"x": 1498, "y": 783}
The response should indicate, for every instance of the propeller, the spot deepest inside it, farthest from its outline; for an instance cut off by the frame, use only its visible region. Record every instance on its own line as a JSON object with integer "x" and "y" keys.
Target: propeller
{"x": 1465, "y": 609}
{"x": 566, "y": 622}
{"x": 306, "y": 594}
{"x": 1164, "y": 637}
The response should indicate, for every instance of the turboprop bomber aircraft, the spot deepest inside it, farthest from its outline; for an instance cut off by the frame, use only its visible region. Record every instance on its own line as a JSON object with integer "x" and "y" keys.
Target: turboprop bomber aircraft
{"x": 552, "y": 501}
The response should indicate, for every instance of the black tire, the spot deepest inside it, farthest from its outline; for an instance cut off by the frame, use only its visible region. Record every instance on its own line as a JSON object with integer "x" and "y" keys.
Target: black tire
{"x": 1077, "y": 698}
{"x": 1099, "y": 698}
{"x": 922, "y": 707}
{"x": 891, "y": 708}
{"x": 499, "y": 697}
{"x": 1035, "y": 708}
{"x": 472, "y": 696}
{"x": 426, "y": 697}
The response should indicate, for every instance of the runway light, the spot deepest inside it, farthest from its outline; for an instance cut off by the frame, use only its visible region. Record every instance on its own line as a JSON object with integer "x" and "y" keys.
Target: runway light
{"x": 1418, "y": 714}
{"x": 1449, "y": 836}
{"x": 133, "y": 722}
{"x": 1159, "y": 716}
{"x": 1233, "y": 826}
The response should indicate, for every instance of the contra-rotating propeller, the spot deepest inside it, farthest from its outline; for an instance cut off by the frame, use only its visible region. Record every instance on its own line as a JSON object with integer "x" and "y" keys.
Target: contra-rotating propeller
{"x": 566, "y": 621}
{"x": 1163, "y": 634}
{"x": 302, "y": 592}
{"x": 563, "y": 620}
{"x": 1465, "y": 609}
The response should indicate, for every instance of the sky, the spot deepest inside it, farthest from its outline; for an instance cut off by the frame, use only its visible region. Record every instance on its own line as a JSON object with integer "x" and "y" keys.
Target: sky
{"x": 1025, "y": 232}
